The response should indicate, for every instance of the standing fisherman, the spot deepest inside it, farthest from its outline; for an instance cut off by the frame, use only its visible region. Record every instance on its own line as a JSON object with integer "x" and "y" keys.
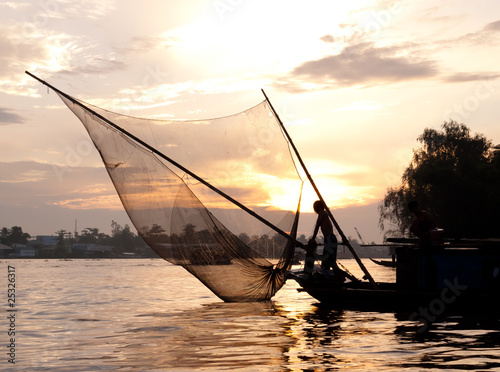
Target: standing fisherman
{"x": 329, "y": 256}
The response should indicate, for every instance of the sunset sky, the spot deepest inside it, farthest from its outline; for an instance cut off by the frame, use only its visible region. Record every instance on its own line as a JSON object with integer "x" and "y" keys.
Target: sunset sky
{"x": 354, "y": 82}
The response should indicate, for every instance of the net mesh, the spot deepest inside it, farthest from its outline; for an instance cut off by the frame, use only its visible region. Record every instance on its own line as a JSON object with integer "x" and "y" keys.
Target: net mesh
{"x": 245, "y": 155}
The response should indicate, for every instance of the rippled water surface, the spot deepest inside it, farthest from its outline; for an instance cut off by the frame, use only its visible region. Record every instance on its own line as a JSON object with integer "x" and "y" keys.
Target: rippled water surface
{"x": 147, "y": 315}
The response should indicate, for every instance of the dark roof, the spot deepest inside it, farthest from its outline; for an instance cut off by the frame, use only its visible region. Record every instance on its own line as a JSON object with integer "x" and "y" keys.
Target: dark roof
{"x": 5, "y": 247}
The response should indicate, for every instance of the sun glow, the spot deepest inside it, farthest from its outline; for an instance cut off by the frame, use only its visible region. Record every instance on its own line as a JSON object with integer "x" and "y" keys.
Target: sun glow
{"x": 240, "y": 30}
{"x": 338, "y": 184}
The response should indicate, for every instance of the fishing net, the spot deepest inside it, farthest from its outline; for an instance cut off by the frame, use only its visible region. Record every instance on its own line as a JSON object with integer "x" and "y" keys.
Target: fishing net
{"x": 186, "y": 221}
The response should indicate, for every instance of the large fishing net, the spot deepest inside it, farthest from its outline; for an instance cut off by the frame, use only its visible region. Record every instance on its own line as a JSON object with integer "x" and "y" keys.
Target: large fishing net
{"x": 187, "y": 222}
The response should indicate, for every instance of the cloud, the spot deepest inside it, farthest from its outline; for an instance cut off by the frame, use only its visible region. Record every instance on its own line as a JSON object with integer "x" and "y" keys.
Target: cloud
{"x": 7, "y": 117}
{"x": 39, "y": 38}
{"x": 44, "y": 198}
{"x": 145, "y": 44}
{"x": 328, "y": 39}
{"x": 95, "y": 66}
{"x": 51, "y": 9}
{"x": 34, "y": 184}
{"x": 470, "y": 76}
{"x": 362, "y": 63}
{"x": 493, "y": 26}
{"x": 17, "y": 51}
{"x": 487, "y": 35}
{"x": 365, "y": 64}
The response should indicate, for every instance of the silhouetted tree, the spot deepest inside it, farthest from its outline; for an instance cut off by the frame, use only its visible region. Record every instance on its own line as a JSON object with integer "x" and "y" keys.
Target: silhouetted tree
{"x": 455, "y": 176}
{"x": 91, "y": 235}
{"x": 302, "y": 238}
{"x": 61, "y": 244}
{"x": 188, "y": 230}
{"x": 15, "y": 235}
{"x": 156, "y": 234}
{"x": 123, "y": 239}
{"x": 244, "y": 238}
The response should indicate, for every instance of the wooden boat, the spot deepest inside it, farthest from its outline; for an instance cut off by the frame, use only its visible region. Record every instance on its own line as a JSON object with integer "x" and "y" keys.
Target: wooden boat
{"x": 428, "y": 281}
{"x": 385, "y": 263}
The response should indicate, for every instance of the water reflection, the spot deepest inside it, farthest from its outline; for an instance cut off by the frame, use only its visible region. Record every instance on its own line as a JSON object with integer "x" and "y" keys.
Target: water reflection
{"x": 456, "y": 342}
{"x": 145, "y": 316}
{"x": 215, "y": 336}
{"x": 326, "y": 338}
{"x": 363, "y": 341}
{"x": 272, "y": 335}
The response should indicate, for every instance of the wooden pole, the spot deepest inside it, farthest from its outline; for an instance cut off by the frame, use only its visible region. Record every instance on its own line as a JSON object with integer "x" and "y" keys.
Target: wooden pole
{"x": 337, "y": 226}
{"x": 171, "y": 161}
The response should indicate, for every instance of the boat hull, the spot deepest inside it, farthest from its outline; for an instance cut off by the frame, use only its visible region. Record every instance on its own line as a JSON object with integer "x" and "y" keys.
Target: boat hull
{"x": 388, "y": 298}
{"x": 384, "y": 263}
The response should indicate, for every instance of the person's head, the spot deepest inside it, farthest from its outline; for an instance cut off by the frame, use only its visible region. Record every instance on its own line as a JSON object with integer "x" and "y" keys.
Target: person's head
{"x": 413, "y": 206}
{"x": 318, "y": 206}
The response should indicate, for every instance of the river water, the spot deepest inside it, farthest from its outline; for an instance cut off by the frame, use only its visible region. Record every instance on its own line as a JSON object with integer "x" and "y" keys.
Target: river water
{"x": 148, "y": 315}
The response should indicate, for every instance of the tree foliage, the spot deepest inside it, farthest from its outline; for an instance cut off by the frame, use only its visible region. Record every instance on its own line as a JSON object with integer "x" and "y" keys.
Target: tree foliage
{"x": 456, "y": 177}
{"x": 61, "y": 243}
{"x": 15, "y": 235}
{"x": 123, "y": 239}
{"x": 91, "y": 235}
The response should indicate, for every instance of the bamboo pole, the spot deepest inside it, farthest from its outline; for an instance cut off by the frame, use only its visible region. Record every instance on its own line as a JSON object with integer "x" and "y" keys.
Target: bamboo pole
{"x": 337, "y": 226}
